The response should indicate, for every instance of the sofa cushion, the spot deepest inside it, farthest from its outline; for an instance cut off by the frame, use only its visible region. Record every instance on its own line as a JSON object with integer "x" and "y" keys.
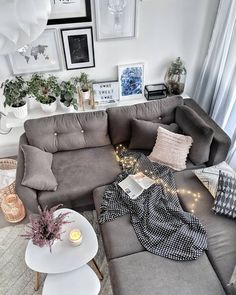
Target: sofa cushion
{"x": 68, "y": 131}
{"x": 119, "y": 237}
{"x": 78, "y": 173}
{"x": 192, "y": 124}
{"x": 160, "y": 111}
{"x": 225, "y": 200}
{"x": 144, "y": 133}
{"x": 37, "y": 171}
{"x": 221, "y": 231}
{"x": 209, "y": 176}
{"x": 148, "y": 274}
{"x": 171, "y": 149}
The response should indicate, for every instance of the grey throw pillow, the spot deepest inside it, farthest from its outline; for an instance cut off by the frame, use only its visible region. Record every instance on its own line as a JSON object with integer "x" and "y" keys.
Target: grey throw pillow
{"x": 144, "y": 133}
{"x": 225, "y": 200}
{"x": 38, "y": 173}
{"x": 202, "y": 134}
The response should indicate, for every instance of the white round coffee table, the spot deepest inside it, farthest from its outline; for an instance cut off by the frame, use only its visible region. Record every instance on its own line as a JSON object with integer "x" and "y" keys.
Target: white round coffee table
{"x": 82, "y": 281}
{"x": 65, "y": 259}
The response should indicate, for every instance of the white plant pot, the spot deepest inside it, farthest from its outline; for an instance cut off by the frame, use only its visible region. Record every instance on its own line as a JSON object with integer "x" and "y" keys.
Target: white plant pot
{"x": 86, "y": 95}
{"x": 66, "y": 109}
{"x": 49, "y": 108}
{"x": 32, "y": 102}
{"x": 20, "y": 112}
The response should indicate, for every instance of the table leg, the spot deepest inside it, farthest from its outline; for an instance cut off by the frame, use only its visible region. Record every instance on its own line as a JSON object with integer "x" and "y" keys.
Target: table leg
{"x": 97, "y": 270}
{"x": 36, "y": 281}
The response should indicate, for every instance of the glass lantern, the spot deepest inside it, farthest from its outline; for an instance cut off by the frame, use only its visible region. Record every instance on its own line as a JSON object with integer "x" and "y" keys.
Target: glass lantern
{"x": 175, "y": 77}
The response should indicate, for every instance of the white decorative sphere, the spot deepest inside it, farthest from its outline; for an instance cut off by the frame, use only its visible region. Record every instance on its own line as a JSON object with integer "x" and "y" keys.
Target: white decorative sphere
{"x": 21, "y": 22}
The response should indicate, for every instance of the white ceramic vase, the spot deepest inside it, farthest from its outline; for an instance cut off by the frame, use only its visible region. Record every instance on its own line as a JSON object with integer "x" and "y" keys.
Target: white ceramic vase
{"x": 20, "y": 112}
{"x": 86, "y": 95}
{"x": 49, "y": 108}
{"x": 66, "y": 109}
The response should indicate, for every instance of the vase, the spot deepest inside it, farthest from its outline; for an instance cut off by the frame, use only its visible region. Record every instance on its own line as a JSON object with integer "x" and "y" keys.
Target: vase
{"x": 20, "y": 112}
{"x": 66, "y": 109}
{"x": 49, "y": 107}
{"x": 86, "y": 95}
{"x": 175, "y": 77}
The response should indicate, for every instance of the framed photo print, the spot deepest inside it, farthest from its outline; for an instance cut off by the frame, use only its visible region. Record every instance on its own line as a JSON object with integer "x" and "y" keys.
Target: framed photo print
{"x": 115, "y": 19}
{"x": 106, "y": 92}
{"x": 42, "y": 55}
{"x": 70, "y": 11}
{"x": 78, "y": 48}
{"x": 131, "y": 80}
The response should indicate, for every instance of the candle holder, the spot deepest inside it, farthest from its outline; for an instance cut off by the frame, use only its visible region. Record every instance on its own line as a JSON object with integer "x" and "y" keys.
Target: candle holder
{"x": 75, "y": 237}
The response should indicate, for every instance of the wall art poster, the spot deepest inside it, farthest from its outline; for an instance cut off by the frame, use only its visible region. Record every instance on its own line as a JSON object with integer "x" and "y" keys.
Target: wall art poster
{"x": 42, "y": 55}
{"x": 131, "y": 80}
{"x": 78, "y": 48}
{"x": 70, "y": 11}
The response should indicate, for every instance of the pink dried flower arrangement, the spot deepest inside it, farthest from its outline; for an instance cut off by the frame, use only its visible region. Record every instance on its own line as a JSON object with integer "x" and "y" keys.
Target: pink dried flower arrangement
{"x": 45, "y": 228}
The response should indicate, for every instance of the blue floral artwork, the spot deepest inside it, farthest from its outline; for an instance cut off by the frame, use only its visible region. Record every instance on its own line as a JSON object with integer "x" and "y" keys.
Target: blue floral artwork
{"x": 131, "y": 81}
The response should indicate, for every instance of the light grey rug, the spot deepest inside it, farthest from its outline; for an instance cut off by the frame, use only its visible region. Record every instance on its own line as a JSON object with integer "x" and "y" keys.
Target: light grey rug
{"x": 17, "y": 279}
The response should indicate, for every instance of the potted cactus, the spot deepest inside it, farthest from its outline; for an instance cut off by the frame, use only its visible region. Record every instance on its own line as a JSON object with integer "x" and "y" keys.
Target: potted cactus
{"x": 15, "y": 91}
{"x": 68, "y": 101}
{"x": 45, "y": 90}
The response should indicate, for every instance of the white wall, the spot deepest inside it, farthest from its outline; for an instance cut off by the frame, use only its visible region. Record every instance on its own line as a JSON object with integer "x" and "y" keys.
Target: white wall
{"x": 166, "y": 29}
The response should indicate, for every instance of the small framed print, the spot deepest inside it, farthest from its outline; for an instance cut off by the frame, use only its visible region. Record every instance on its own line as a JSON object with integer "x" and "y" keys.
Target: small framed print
{"x": 78, "y": 48}
{"x": 131, "y": 80}
{"x": 106, "y": 92}
{"x": 116, "y": 19}
{"x": 42, "y": 55}
{"x": 70, "y": 11}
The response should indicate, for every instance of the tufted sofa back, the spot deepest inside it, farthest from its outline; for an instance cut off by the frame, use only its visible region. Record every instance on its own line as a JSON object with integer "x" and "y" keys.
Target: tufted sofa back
{"x": 68, "y": 131}
{"x": 160, "y": 111}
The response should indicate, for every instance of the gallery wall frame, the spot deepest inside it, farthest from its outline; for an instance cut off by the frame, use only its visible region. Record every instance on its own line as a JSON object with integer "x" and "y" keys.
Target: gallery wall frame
{"x": 42, "y": 55}
{"x": 116, "y": 19}
{"x": 78, "y": 47}
{"x": 106, "y": 93}
{"x": 131, "y": 80}
{"x": 70, "y": 11}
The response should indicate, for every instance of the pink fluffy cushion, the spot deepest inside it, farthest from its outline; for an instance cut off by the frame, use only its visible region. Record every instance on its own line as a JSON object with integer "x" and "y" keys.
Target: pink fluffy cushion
{"x": 171, "y": 149}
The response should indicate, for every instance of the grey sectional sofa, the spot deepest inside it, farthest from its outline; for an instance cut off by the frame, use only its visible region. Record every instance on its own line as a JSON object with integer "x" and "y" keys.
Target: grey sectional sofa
{"x": 84, "y": 162}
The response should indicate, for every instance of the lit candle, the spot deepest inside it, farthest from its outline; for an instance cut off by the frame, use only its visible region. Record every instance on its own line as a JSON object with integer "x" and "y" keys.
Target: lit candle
{"x": 75, "y": 237}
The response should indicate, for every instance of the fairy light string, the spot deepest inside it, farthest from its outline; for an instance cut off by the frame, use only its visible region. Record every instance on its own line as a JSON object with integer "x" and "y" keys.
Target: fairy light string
{"x": 128, "y": 162}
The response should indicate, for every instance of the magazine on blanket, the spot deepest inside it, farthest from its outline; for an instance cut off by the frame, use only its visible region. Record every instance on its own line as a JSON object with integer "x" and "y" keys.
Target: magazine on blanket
{"x": 135, "y": 184}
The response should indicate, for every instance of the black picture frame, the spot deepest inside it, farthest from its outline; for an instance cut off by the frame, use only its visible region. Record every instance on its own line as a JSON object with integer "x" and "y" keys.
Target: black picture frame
{"x": 87, "y": 18}
{"x": 85, "y": 57}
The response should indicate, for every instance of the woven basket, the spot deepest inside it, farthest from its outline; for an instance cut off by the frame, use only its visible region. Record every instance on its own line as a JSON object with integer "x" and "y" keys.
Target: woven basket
{"x": 7, "y": 164}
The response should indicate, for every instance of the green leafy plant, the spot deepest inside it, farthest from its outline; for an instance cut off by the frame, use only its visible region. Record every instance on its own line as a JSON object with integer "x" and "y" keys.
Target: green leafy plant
{"x": 14, "y": 91}
{"x": 68, "y": 90}
{"x": 83, "y": 81}
{"x": 44, "y": 89}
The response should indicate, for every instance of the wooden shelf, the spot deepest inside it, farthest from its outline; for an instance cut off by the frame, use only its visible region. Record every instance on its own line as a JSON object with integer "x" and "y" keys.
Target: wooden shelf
{"x": 12, "y": 122}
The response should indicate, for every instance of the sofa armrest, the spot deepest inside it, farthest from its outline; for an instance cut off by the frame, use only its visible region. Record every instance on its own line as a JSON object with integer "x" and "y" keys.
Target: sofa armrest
{"x": 26, "y": 194}
{"x": 221, "y": 142}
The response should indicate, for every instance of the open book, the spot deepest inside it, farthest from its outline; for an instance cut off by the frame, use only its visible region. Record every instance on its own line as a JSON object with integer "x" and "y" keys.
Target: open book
{"x": 135, "y": 184}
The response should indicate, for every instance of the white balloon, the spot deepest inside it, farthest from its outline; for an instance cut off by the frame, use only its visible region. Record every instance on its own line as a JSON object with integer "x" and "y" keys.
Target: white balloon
{"x": 21, "y": 22}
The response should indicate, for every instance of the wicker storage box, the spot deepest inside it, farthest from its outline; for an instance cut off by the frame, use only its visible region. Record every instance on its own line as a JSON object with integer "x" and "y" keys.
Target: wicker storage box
{"x": 7, "y": 164}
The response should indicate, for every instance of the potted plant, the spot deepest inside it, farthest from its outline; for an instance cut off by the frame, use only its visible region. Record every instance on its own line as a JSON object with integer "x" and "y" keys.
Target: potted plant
{"x": 45, "y": 228}
{"x": 15, "y": 91}
{"x": 67, "y": 100}
{"x": 84, "y": 84}
{"x": 45, "y": 90}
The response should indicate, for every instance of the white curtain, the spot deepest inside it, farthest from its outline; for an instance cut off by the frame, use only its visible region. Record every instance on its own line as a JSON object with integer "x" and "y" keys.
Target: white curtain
{"x": 216, "y": 87}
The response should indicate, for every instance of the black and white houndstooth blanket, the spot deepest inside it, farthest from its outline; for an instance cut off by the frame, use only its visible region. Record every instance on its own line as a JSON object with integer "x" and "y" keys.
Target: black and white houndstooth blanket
{"x": 158, "y": 219}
